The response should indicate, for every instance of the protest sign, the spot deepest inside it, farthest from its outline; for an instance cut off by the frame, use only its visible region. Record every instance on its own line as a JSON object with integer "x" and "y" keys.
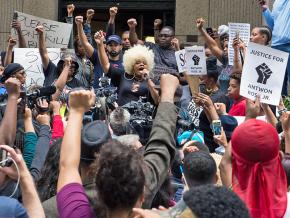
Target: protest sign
{"x": 180, "y": 60}
{"x": 30, "y": 59}
{"x": 195, "y": 60}
{"x": 263, "y": 73}
{"x": 57, "y": 34}
{"x": 243, "y": 31}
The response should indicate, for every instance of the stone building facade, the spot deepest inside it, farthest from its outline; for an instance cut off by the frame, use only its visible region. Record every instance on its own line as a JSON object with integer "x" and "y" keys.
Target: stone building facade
{"x": 179, "y": 13}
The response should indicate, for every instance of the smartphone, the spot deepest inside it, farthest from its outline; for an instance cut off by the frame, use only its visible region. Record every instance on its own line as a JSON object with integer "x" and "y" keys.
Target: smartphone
{"x": 209, "y": 31}
{"x": 202, "y": 88}
{"x": 3, "y": 156}
{"x": 237, "y": 34}
{"x": 216, "y": 127}
{"x": 15, "y": 16}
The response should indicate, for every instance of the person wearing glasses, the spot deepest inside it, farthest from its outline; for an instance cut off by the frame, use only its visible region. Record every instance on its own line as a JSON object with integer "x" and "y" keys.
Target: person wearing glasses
{"x": 164, "y": 52}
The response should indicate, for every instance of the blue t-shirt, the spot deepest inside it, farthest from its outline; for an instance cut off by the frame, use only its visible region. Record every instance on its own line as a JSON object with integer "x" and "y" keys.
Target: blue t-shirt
{"x": 224, "y": 77}
{"x": 10, "y": 207}
{"x": 98, "y": 70}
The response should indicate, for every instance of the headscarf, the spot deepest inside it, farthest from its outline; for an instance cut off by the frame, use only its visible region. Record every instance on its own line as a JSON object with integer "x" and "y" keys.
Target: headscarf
{"x": 258, "y": 176}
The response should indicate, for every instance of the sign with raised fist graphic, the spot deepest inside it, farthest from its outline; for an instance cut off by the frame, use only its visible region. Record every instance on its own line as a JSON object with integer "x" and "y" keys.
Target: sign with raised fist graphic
{"x": 263, "y": 73}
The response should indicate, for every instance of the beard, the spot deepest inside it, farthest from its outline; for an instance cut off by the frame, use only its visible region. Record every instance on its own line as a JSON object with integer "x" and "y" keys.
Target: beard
{"x": 114, "y": 53}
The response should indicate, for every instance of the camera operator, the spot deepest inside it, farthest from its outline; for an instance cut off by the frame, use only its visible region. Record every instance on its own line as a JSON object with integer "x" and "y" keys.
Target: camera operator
{"x": 119, "y": 121}
{"x": 134, "y": 81}
{"x": 17, "y": 72}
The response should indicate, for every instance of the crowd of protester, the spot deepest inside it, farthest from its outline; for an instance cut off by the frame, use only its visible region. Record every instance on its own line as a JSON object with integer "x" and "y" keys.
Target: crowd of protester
{"x": 122, "y": 133}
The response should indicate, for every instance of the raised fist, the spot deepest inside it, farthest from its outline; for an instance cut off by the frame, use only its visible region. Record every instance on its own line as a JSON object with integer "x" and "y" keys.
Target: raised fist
{"x": 81, "y": 100}
{"x": 132, "y": 23}
{"x": 27, "y": 113}
{"x": 79, "y": 20}
{"x": 11, "y": 42}
{"x": 43, "y": 119}
{"x": 39, "y": 29}
{"x": 263, "y": 4}
{"x": 264, "y": 73}
{"x": 157, "y": 23}
{"x": 90, "y": 14}
{"x": 99, "y": 37}
{"x": 199, "y": 23}
{"x": 13, "y": 87}
{"x": 113, "y": 11}
{"x": 70, "y": 9}
{"x": 196, "y": 59}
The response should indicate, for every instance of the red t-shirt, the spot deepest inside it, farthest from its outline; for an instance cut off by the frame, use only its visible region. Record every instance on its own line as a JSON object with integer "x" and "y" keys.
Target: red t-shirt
{"x": 238, "y": 108}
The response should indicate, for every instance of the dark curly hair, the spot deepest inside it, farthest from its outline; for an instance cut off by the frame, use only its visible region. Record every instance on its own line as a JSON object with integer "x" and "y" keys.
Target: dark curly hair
{"x": 120, "y": 178}
{"x": 46, "y": 185}
{"x": 199, "y": 168}
{"x": 236, "y": 76}
{"x": 209, "y": 201}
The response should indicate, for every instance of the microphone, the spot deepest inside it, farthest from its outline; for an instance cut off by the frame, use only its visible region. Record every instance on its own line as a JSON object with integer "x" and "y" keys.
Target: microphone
{"x": 44, "y": 91}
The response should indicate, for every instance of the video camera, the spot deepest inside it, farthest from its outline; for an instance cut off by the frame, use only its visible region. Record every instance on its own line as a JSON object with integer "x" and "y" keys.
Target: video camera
{"x": 141, "y": 119}
{"x": 43, "y": 93}
{"x": 30, "y": 99}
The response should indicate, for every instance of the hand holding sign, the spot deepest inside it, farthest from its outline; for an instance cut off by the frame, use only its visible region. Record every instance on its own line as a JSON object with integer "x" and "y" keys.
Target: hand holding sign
{"x": 16, "y": 25}
{"x": 253, "y": 108}
{"x": 57, "y": 34}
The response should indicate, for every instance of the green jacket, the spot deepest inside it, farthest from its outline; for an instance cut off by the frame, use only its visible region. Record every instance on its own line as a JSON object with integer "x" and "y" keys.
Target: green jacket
{"x": 159, "y": 152}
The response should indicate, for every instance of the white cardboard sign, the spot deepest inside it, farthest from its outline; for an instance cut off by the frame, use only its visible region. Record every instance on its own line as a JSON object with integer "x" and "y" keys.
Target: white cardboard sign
{"x": 244, "y": 31}
{"x": 180, "y": 60}
{"x": 195, "y": 60}
{"x": 57, "y": 34}
{"x": 30, "y": 59}
{"x": 263, "y": 73}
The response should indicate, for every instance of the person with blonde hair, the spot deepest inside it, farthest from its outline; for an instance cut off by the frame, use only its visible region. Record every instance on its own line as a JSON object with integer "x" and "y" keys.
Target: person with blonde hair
{"x": 134, "y": 82}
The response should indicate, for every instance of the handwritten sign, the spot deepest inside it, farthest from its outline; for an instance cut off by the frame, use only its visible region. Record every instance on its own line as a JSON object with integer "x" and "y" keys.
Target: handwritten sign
{"x": 195, "y": 60}
{"x": 180, "y": 60}
{"x": 30, "y": 59}
{"x": 243, "y": 31}
{"x": 263, "y": 73}
{"x": 57, "y": 34}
